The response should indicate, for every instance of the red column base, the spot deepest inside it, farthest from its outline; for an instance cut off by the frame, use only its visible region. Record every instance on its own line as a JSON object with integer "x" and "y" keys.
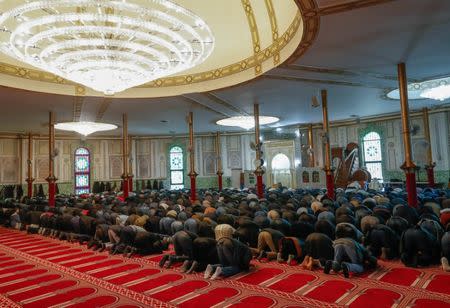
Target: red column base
{"x": 411, "y": 188}
{"x": 51, "y": 193}
{"x": 126, "y": 189}
{"x": 219, "y": 180}
{"x": 30, "y": 189}
{"x": 193, "y": 189}
{"x": 430, "y": 176}
{"x": 330, "y": 186}
{"x": 130, "y": 183}
{"x": 259, "y": 186}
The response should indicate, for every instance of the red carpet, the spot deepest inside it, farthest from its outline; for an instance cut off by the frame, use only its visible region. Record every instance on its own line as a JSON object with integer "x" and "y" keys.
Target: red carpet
{"x": 41, "y": 272}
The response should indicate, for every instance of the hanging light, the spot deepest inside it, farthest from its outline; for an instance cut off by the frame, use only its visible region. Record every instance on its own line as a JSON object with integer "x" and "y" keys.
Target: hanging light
{"x": 109, "y": 46}
{"x": 437, "y": 89}
{"x": 246, "y": 122}
{"x": 85, "y": 128}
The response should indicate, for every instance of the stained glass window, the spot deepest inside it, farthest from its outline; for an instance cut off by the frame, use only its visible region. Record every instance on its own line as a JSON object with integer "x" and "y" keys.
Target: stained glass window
{"x": 372, "y": 155}
{"x": 176, "y": 168}
{"x": 82, "y": 171}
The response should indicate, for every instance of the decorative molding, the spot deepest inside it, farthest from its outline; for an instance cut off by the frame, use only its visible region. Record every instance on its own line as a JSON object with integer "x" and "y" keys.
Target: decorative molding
{"x": 344, "y": 7}
{"x": 311, "y": 27}
{"x": 253, "y": 26}
{"x": 274, "y": 25}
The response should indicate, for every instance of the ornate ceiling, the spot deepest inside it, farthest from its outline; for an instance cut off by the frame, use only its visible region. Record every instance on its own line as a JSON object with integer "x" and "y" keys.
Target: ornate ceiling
{"x": 349, "y": 47}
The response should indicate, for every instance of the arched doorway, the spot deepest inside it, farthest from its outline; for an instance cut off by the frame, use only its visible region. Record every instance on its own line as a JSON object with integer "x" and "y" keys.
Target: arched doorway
{"x": 82, "y": 171}
{"x": 281, "y": 170}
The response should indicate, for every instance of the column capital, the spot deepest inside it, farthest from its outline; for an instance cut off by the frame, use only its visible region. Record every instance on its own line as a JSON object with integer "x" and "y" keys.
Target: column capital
{"x": 51, "y": 179}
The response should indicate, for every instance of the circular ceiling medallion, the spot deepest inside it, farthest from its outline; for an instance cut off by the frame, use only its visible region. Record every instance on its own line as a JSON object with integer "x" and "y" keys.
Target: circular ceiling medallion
{"x": 203, "y": 45}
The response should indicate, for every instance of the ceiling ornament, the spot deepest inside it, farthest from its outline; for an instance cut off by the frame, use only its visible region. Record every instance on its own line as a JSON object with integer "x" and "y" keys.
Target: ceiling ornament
{"x": 246, "y": 122}
{"x": 85, "y": 128}
{"x": 109, "y": 46}
{"x": 437, "y": 89}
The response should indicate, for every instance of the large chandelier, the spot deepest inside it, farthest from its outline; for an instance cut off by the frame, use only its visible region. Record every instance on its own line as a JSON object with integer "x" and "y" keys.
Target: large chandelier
{"x": 246, "y": 122}
{"x": 106, "y": 45}
{"x": 85, "y": 128}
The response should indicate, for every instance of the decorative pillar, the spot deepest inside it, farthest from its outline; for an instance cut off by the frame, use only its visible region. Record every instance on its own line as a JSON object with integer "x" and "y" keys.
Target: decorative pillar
{"x": 327, "y": 163}
{"x": 30, "y": 179}
{"x": 219, "y": 162}
{"x": 312, "y": 162}
{"x": 259, "y": 170}
{"x": 130, "y": 168}
{"x": 125, "y": 182}
{"x": 430, "y": 164}
{"x": 192, "y": 173}
{"x": 51, "y": 179}
{"x": 408, "y": 166}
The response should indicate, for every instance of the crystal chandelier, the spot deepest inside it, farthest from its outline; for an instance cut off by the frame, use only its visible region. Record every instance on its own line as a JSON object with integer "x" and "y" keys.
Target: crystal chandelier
{"x": 106, "y": 45}
{"x": 440, "y": 93}
{"x": 246, "y": 122}
{"x": 85, "y": 128}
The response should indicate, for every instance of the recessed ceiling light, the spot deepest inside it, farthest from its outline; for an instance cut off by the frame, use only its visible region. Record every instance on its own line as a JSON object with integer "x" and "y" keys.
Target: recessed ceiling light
{"x": 163, "y": 121}
{"x": 437, "y": 89}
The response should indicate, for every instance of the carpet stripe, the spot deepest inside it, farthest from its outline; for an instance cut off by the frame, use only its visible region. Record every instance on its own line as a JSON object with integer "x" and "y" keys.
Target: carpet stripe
{"x": 51, "y": 253}
{"x": 16, "y": 269}
{"x": 98, "y": 265}
{"x": 254, "y": 301}
{"x": 261, "y": 275}
{"x": 10, "y": 263}
{"x": 134, "y": 276}
{"x": 155, "y": 282}
{"x": 330, "y": 291}
{"x": 292, "y": 282}
{"x": 60, "y": 285}
{"x": 60, "y": 298}
{"x": 84, "y": 261}
{"x": 27, "y": 283}
{"x": 70, "y": 257}
{"x": 401, "y": 276}
{"x": 440, "y": 283}
{"x": 384, "y": 299}
{"x": 180, "y": 290}
{"x": 115, "y": 270}
{"x": 210, "y": 299}
{"x": 23, "y": 275}
{"x": 100, "y": 301}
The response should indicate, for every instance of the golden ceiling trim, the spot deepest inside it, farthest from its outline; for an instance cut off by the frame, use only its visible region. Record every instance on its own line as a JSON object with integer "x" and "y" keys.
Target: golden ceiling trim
{"x": 102, "y": 109}
{"x": 253, "y": 61}
{"x": 311, "y": 27}
{"x": 253, "y": 26}
{"x": 344, "y": 7}
{"x": 274, "y": 25}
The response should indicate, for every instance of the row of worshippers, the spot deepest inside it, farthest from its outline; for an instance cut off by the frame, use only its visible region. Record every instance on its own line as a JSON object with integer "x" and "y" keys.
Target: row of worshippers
{"x": 223, "y": 231}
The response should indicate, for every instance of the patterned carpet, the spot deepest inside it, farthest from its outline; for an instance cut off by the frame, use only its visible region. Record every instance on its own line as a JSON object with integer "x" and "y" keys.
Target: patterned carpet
{"x": 36, "y": 271}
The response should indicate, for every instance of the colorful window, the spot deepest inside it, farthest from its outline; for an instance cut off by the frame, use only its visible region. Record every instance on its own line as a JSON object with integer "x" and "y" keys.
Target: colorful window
{"x": 176, "y": 161}
{"x": 82, "y": 171}
{"x": 372, "y": 155}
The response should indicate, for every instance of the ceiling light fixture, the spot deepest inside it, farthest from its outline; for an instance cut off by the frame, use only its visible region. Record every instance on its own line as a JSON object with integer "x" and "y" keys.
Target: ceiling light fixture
{"x": 247, "y": 122}
{"x": 85, "y": 128}
{"x": 437, "y": 89}
{"x": 109, "y": 46}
